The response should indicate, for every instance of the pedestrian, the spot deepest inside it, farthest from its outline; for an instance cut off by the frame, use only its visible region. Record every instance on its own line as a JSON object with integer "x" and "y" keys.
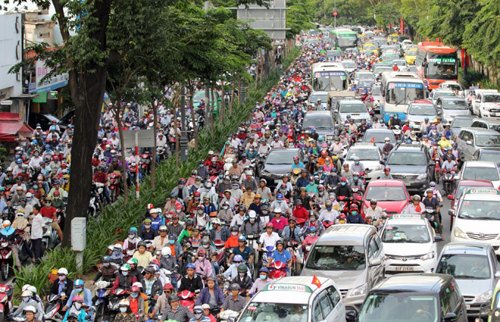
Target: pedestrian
{"x": 37, "y": 225}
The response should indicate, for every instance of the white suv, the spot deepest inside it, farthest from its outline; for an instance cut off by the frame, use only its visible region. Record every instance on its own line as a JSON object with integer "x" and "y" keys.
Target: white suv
{"x": 486, "y": 103}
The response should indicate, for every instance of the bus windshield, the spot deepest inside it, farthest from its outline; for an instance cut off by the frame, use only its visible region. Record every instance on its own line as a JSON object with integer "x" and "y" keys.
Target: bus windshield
{"x": 442, "y": 65}
{"x": 347, "y": 40}
{"x": 330, "y": 81}
{"x": 404, "y": 93}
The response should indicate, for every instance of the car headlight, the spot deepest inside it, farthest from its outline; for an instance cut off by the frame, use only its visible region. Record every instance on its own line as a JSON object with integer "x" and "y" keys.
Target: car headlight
{"x": 459, "y": 233}
{"x": 428, "y": 256}
{"x": 360, "y": 290}
{"x": 485, "y": 297}
{"x": 422, "y": 176}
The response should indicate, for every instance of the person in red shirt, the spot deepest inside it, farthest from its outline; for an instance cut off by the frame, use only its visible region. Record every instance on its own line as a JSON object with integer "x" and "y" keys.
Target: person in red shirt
{"x": 300, "y": 212}
{"x": 50, "y": 212}
{"x": 101, "y": 177}
{"x": 232, "y": 241}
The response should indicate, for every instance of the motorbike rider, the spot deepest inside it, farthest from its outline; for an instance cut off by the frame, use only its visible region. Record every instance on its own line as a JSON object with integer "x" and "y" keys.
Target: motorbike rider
{"x": 292, "y": 231}
{"x": 328, "y": 214}
{"x": 130, "y": 243}
{"x": 374, "y": 212}
{"x": 235, "y": 302}
{"x": 151, "y": 285}
{"x": 147, "y": 232}
{"x": 48, "y": 211}
{"x": 187, "y": 232}
{"x": 386, "y": 174}
{"x": 344, "y": 189}
{"x": 174, "y": 227}
{"x": 63, "y": 286}
{"x": 191, "y": 281}
{"x": 279, "y": 223}
{"x": 30, "y": 313}
{"x": 162, "y": 302}
{"x": 281, "y": 254}
{"x": 107, "y": 271}
{"x": 27, "y": 301}
{"x": 202, "y": 264}
{"x": 79, "y": 291}
{"x": 269, "y": 238}
{"x": 354, "y": 216}
{"x": 211, "y": 295}
{"x": 262, "y": 281}
{"x": 242, "y": 250}
{"x": 124, "y": 280}
{"x": 243, "y": 279}
{"x": 416, "y": 206}
{"x": 431, "y": 201}
{"x": 143, "y": 256}
{"x": 314, "y": 222}
{"x": 232, "y": 271}
{"x": 311, "y": 237}
{"x": 175, "y": 311}
{"x": 9, "y": 234}
{"x": 387, "y": 148}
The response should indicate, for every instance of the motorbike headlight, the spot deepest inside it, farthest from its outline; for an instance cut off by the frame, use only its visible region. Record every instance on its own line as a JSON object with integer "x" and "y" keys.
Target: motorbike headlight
{"x": 459, "y": 233}
{"x": 485, "y": 297}
{"x": 358, "y": 291}
{"x": 422, "y": 176}
{"x": 428, "y": 256}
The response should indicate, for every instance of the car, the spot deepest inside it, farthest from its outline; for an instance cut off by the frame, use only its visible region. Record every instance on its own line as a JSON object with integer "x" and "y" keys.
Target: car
{"x": 363, "y": 74}
{"x": 371, "y": 46}
{"x": 377, "y": 137}
{"x": 369, "y": 155}
{"x": 413, "y": 297}
{"x": 349, "y": 65}
{"x": 413, "y": 164}
{"x": 476, "y": 270}
{"x": 477, "y": 217}
{"x": 411, "y": 69}
{"x": 365, "y": 85}
{"x": 296, "y": 299}
{"x": 495, "y": 305}
{"x": 377, "y": 71}
{"x": 352, "y": 256}
{"x": 439, "y": 92}
{"x": 399, "y": 62}
{"x": 354, "y": 51}
{"x": 410, "y": 56}
{"x": 323, "y": 96}
{"x": 472, "y": 138}
{"x": 418, "y": 111}
{"x": 452, "y": 106}
{"x": 278, "y": 163}
{"x": 389, "y": 57}
{"x": 333, "y": 53}
{"x": 480, "y": 170}
{"x": 323, "y": 123}
{"x": 390, "y": 194}
{"x": 45, "y": 121}
{"x": 487, "y": 155}
{"x": 487, "y": 123}
{"x": 454, "y": 86}
{"x": 486, "y": 103}
{"x": 356, "y": 109}
{"x": 460, "y": 122}
{"x": 409, "y": 244}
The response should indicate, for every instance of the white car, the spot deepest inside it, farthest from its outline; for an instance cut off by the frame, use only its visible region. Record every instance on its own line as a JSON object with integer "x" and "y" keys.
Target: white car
{"x": 486, "y": 103}
{"x": 477, "y": 217}
{"x": 369, "y": 155}
{"x": 410, "y": 244}
{"x": 454, "y": 86}
{"x": 480, "y": 170}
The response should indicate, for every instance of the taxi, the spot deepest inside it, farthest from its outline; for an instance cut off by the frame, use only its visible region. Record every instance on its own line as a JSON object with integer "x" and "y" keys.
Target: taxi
{"x": 410, "y": 56}
{"x": 477, "y": 217}
{"x": 409, "y": 243}
{"x": 296, "y": 299}
{"x": 371, "y": 46}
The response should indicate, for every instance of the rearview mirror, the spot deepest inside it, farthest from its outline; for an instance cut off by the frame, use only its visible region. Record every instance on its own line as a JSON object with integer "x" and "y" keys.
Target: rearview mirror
{"x": 451, "y": 212}
{"x": 351, "y": 316}
{"x": 469, "y": 142}
{"x": 376, "y": 262}
{"x": 450, "y": 316}
{"x": 450, "y": 197}
{"x": 438, "y": 238}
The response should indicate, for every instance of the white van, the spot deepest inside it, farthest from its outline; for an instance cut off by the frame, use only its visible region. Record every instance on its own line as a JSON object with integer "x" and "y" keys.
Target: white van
{"x": 296, "y": 299}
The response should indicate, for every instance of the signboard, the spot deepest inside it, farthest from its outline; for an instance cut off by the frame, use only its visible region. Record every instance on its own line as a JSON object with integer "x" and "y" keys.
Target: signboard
{"x": 288, "y": 287}
{"x": 406, "y": 85}
{"x": 482, "y": 191}
{"x": 326, "y": 74}
{"x": 5, "y": 103}
{"x": 335, "y": 13}
{"x": 451, "y": 60}
{"x": 146, "y": 138}
{"x": 49, "y": 84}
{"x": 40, "y": 97}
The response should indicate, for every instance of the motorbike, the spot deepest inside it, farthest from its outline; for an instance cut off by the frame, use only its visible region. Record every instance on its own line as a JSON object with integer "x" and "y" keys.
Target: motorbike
{"x": 397, "y": 132}
{"x": 145, "y": 164}
{"x": 50, "y": 238}
{"x": 187, "y": 299}
{"x": 101, "y": 300}
{"x": 278, "y": 270}
{"x": 6, "y": 295}
{"x": 221, "y": 256}
{"x": 7, "y": 261}
{"x": 293, "y": 247}
{"x": 430, "y": 214}
{"x": 266, "y": 254}
{"x": 94, "y": 204}
{"x": 52, "y": 308}
{"x": 437, "y": 170}
{"x": 114, "y": 185}
{"x": 228, "y": 316}
{"x": 449, "y": 181}
{"x": 252, "y": 242}
{"x": 114, "y": 303}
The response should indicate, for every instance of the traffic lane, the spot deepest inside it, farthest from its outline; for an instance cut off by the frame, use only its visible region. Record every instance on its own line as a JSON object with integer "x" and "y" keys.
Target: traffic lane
{"x": 445, "y": 220}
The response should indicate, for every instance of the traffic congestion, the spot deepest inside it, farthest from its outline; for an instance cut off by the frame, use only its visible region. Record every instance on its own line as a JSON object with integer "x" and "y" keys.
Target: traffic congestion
{"x": 363, "y": 187}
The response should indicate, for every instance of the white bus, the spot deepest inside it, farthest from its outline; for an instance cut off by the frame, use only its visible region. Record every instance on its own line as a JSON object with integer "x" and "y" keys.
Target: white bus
{"x": 398, "y": 90}
{"x": 329, "y": 76}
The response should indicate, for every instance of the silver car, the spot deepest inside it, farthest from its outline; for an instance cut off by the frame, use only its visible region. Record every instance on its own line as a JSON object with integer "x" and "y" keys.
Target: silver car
{"x": 420, "y": 110}
{"x": 451, "y": 106}
{"x": 475, "y": 268}
{"x": 356, "y": 109}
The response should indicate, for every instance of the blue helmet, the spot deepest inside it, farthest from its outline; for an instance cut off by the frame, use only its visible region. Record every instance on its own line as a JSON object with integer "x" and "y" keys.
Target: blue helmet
{"x": 279, "y": 196}
{"x": 312, "y": 229}
{"x": 79, "y": 283}
{"x": 242, "y": 238}
{"x": 190, "y": 265}
{"x": 106, "y": 259}
{"x": 264, "y": 269}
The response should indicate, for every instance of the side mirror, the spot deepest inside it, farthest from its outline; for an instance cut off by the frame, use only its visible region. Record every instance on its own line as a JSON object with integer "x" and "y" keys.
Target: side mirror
{"x": 438, "y": 238}
{"x": 456, "y": 178}
{"x": 450, "y": 316}
{"x": 451, "y": 212}
{"x": 376, "y": 262}
{"x": 450, "y": 197}
{"x": 382, "y": 162}
{"x": 351, "y": 316}
{"x": 469, "y": 142}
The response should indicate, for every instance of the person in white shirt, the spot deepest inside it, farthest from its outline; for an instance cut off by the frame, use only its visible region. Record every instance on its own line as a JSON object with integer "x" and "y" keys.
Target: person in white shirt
{"x": 277, "y": 144}
{"x": 161, "y": 140}
{"x": 416, "y": 207}
{"x": 264, "y": 148}
{"x": 258, "y": 114}
{"x": 280, "y": 203}
{"x": 269, "y": 238}
{"x": 328, "y": 214}
{"x": 374, "y": 212}
{"x": 37, "y": 224}
{"x": 35, "y": 160}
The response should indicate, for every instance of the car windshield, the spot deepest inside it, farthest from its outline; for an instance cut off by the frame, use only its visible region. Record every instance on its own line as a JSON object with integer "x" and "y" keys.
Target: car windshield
{"x": 493, "y": 156}
{"x": 364, "y": 76}
{"x": 315, "y": 97}
{"x": 376, "y": 90}
{"x": 479, "y": 210}
{"x": 382, "y": 69}
{"x": 386, "y": 193}
{"x": 442, "y": 94}
{"x": 459, "y": 122}
{"x": 263, "y": 312}
{"x": 353, "y": 108}
{"x": 405, "y": 234}
{"x": 404, "y": 93}
{"x": 363, "y": 154}
{"x": 407, "y": 159}
{"x": 378, "y": 137}
{"x": 492, "y": 98}
{"x": 318, "y": 122}
{"x": 451, "y": 104}
{"x": 464, "y": 266}
{"x": 337, "y": 258}
{"x": 488, "y": 140}
{"x": 480, "y": 173}
{"x": 411, "y": 52}
{"x": 390, "y": 307}
{"x": 422, "y": 109}
{"x": 281, "y": 157}
{"x": 365, "y": 83}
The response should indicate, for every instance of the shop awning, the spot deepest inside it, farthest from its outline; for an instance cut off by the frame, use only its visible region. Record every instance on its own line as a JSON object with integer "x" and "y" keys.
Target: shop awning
{"x": 10, "y": 130}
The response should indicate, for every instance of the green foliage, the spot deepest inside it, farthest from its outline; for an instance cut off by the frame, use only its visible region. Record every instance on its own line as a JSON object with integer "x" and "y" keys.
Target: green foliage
{"x": 114, "y": 223}
{"x": 476, "y": 78}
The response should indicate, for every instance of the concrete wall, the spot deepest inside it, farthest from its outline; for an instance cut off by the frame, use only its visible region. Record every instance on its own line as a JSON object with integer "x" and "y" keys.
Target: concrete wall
{"x": 10, "y": 54}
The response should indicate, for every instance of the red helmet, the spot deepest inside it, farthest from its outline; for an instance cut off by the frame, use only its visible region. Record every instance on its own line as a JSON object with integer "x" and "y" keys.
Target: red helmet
{"x": 324, "y": 152}
{"x": 168, "y": 286}
{"x": 134, "y": 289}
{"x": 354, "y": 207}
{"x": 296, "y": 157}
{"x": 201, "y": 251}
{"x": 196, "y": 194}
{"x": 387, "y": 169}
{"x": 150, "y": 206}
{"x": 343, "y": 179}
{"x": 269, "y": 225}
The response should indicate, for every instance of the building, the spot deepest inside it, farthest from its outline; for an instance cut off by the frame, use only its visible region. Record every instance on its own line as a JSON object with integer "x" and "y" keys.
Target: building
{"x": 272, "y": 20}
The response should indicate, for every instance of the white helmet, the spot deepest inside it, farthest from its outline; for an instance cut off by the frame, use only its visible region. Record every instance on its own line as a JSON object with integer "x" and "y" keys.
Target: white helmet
{"x": 166, "y": 251}
{"x": 29, "y": 195}
{"x": 252, "y": 214}
{"x": 25, "y": 287}
{"x": 32, "y": 289}
{"x": 62, "y": 271}
{"x": 27, "y": 293}
{"x": 124, "y": 303}
{"x": 118, "y": 246}
{"x": 30, "y": 308}
{"x": 277, "y": 210}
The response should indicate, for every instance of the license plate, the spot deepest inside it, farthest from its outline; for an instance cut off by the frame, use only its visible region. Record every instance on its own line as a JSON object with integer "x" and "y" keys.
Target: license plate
{"x": 404, "y": 269}
{"x": 467, "y": 306}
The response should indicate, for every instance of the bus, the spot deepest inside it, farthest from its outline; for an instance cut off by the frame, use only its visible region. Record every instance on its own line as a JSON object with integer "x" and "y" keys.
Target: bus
{"x": 345, "y": 38}
{"x": 436, "y": 63}
{"x": 398, "y": 90}
{"x": 329, "y": 76}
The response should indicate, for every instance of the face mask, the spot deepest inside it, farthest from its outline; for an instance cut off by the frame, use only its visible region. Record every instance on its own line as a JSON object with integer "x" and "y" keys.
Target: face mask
{"x": 200, "y": 258}
{"x": 78, "y": 290}
{"x": 147, "y": 226}
{"x": 225, "y": 207}
{"x": 123, "y": 309}
{"x": 235, "y": 187}
{"x": 130, "y": 236}
{"x": 198, "y": 316}
{"x": 342, "y": 183}
{"x": 200, "y": 212}
{"x": 134, "y": 294}
{"x": 78, "y": 306}
{"x": 354, "y": 213}
{"x": 356, "y": 178}
{"x": 106, "y": 264}
{"x": 328, "y": 208}
{"x": 234, "y": 233}
{"x": 280, "y": 201}
{"x": 313, "y": 218}
{"x": 125, "y": 273}
{"x": 171, "y": 242}
{"x": 263, "y": 277}
{"x": 252, "y": 220}
{"x": 26, "y": 299}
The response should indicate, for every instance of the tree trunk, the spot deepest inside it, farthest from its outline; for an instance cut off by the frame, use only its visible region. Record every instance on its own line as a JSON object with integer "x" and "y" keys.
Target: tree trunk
{"x": 176, "y": 141}
{"x": 154, "y": 105}
{"x": 193, "y": 119}
{"x": 232, "y": 100}
{"x": 239, "y": 91}
{"x": 256, "y": 76}
{"x": 122, "y": 157}
{"x": 212, "y": 110}
{"x": 222, "y": 103}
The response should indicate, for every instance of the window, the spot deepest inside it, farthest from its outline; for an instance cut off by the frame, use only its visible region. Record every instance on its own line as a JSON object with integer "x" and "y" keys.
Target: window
{"x": 450, "y": 298}
{"x": 372, "y": 248}
{"x": 317, "y": 314}
{"x": 334, "y": 295}
{"x": 326, "y": 304}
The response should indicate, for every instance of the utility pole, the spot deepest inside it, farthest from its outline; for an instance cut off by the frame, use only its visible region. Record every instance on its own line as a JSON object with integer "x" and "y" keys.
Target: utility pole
{"x": 184, "y": 139}
{"x": 335, "y": 14}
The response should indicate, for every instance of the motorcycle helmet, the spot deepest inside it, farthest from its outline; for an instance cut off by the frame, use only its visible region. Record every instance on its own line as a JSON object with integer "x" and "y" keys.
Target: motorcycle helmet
{"x": 242, "y": 238}
{"x": 416, "y": 198}
{"x": 174, "y": 297}
{"x": 30, "y": 308}
{"x": 432, "y": 184}
{"x": 141, "y": 243}
{"x": 238, "y": 258}
{"x": 235, "y": 228}
{"x": 125, "y": 268}
{"x": 79, "y": 282}
{"x": 373, "y": 201}
{"x": 124, "y": 302}
{"x": 190, "y": 265}
{"x": 242, "y": 268}
{"x": 62, "y": 271}
{"x": 166, "y": 251}
{"x": 280, "y": 242}
{"x": 235, "y": 286}
{"x": 6, "y": 223}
